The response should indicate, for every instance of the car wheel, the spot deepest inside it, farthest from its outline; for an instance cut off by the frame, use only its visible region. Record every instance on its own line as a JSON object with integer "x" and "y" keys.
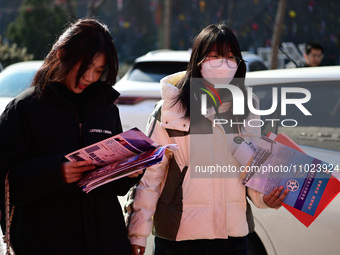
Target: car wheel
{"x": 255, "y": 246}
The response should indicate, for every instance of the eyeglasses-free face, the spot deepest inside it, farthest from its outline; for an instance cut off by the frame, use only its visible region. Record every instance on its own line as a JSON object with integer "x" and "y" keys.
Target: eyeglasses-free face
{"x": 314, "y": 58}
{"x": 92, "y": 75}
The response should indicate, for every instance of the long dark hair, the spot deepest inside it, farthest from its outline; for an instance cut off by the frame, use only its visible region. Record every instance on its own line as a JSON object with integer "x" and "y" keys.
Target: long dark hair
{"x": 220, "y": 36}
{"x": 81, "y": 41}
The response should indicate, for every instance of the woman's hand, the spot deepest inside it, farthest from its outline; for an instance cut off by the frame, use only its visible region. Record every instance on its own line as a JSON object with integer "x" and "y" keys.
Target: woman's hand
{"x": 137, "y": 249}
{"x": 274, "y": 199}
{"x": 73, "y": 171}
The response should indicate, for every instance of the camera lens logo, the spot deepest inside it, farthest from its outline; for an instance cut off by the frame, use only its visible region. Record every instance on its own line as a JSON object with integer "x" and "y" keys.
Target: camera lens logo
{"x": 204, "y": 99}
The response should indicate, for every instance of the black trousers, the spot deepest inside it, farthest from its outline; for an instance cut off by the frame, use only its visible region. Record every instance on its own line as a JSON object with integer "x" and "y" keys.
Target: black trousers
{"x": 230, "y": 246}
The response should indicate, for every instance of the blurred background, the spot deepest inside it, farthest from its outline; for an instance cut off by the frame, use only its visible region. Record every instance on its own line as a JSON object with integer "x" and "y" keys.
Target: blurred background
{"x": 275, "y": 31}
{"x": 28, "y": 28}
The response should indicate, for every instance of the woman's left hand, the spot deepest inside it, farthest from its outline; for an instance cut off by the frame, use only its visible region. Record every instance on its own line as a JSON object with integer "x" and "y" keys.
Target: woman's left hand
{"x": 73, "y": 171}
{"x": 274, "y": 199}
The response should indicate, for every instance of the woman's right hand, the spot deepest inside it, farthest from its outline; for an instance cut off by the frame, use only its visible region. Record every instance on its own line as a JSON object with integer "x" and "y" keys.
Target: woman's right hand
{"x": 73, "y": 171}
{"x": 137, "y": 249}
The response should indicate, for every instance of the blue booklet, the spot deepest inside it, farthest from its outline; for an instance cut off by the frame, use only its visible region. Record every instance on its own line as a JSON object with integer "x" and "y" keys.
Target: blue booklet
{"x": 275, "y": 164}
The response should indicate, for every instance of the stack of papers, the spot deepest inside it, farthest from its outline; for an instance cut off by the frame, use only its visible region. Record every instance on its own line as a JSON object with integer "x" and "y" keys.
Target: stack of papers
{"x": 277, "y": 161}
{"x": 118, "y": 156}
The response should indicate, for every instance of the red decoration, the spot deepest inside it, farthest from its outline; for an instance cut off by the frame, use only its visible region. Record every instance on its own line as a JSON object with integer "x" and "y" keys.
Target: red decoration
{"x": 255, "y": 26}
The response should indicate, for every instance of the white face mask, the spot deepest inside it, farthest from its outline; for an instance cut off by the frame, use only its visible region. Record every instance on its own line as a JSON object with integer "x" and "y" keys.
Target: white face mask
{"x": 218, "y": 75}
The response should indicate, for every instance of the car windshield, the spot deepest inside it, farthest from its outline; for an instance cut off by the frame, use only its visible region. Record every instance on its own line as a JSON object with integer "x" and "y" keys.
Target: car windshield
{"x": 155, "y": 71}
{"x": 321, "y": 129}
{"x": 13, "y": 83}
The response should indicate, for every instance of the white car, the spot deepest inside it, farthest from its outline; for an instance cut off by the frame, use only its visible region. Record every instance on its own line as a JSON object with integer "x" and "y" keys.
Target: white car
{"x": 140, "y": 88}
{"x": 253, "y": 62}
{"x": 16, "y": 78}
{"x": 279, "y": 232}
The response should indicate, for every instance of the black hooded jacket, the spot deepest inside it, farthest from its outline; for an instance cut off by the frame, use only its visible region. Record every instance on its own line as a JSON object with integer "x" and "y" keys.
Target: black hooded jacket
{"x": 51, "y": 216}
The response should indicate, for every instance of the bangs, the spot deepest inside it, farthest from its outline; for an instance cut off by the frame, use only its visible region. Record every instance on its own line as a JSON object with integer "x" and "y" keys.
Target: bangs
{"x": 222, "y": 48}
{"x": 221, "y": 43}
{"x": 226, "y": 43}
{"x": 86, "y": 61}
{"x": 93, "y": 48}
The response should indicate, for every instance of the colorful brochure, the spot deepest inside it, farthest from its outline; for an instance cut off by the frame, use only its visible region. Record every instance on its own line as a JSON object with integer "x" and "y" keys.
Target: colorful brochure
{"x": 119, "y": 156}
{"x": 331, "y": 191}
{"x": 279, "y": 161}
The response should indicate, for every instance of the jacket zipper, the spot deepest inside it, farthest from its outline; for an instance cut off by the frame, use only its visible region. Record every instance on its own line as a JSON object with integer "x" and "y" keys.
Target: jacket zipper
{"x": 224, "y": 195}
{"x": 81, "y": 134}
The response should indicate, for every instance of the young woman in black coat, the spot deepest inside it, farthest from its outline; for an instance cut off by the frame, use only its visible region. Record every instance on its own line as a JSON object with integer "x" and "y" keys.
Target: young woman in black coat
{"x": 69, "y": 105}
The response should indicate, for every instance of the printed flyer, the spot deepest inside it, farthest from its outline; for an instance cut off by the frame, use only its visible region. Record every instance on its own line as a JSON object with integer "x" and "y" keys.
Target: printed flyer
{"x": 275, "y": 164}
{"x": 119, "y": 156}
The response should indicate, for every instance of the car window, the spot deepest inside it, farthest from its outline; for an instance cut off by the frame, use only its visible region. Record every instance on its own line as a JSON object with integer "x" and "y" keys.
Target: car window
{"x": 155, "y": 71}
{"x": 321, "y": 130}
{"x": 13, "y": 83}
{"x": 257, "y": 66}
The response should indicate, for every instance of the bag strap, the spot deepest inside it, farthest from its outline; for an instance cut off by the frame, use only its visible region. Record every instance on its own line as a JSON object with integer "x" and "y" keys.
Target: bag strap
{"x": 9, "y": 215}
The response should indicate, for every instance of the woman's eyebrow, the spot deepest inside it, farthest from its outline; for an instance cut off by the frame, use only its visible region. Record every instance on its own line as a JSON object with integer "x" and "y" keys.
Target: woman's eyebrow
{"x": 103, "y": 66}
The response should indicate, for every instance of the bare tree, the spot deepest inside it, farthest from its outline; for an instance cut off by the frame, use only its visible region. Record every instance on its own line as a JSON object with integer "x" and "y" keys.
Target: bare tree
{"x": 167, "y": 25}
{"x": 231, "y": 8}
{"x": 276, "y": 38}
{"x": 93, "y": 6}
{"x": 71, "y": 8}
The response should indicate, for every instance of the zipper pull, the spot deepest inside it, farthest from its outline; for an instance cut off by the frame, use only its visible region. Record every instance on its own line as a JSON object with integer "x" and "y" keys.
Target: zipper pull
{"x": 81, "y": 128}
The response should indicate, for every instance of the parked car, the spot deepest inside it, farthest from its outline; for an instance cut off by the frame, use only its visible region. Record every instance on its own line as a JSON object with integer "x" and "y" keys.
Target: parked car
{"x": 140, "y": 88}
{"x": 16, "y": 78}
{"x": 279, "y": 232}
{"x": 253, "y": 62}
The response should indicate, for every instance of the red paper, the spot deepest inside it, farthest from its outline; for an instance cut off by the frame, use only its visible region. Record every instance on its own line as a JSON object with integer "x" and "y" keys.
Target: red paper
{"x": 331, "y": 191}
